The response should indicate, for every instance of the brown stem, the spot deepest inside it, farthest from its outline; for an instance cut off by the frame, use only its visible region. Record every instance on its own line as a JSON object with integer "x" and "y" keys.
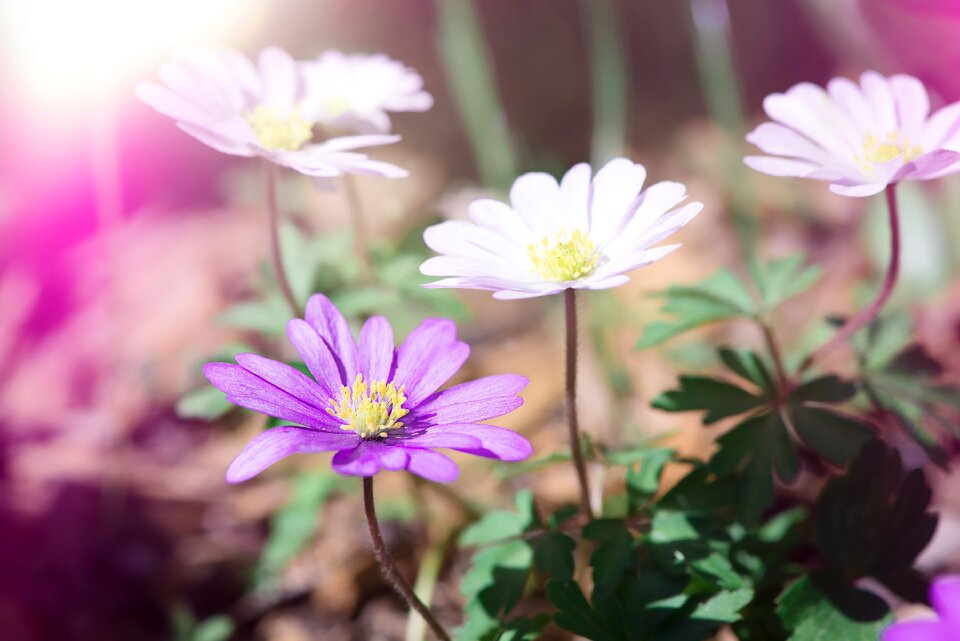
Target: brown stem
{"x": 359, "y": 223}
{"x": 276, "y": 256}
{"x": 869, "y": 312}
{"x": 570, "y": 305}
{"x": 390, "y": 571}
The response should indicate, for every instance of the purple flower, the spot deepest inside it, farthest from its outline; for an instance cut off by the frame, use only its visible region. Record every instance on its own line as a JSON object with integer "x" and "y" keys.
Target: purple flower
{"x": 376, "y": 406}
{"x": 945, "y": 597}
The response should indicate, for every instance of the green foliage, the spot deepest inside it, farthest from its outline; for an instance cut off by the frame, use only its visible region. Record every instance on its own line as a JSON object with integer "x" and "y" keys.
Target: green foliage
{"x": 207, "y": 402}
{"x": 762, "y": 441}
{"x": 809, "y": 615}
{"x": 501, "y": 567}
{"x": 874, "y": 522}
{"x": 724, "y": 296}
{"x": 187, "y": 628}
{"x": 903, "y": 381}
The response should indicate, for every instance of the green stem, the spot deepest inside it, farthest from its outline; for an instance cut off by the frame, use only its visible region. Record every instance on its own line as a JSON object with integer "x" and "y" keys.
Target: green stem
{"x": 273, "y": 220}
{"x": 570, "y": 306}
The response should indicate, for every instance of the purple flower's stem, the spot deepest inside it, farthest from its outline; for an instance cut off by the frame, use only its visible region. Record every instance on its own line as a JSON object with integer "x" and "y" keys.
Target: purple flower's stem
{"x": 275, "y": 254}
{"x": 389, "y": 569}
{"x": 570, "y": 303}
{"x": 358, "y": 220}
{"x": 870, "y": 312}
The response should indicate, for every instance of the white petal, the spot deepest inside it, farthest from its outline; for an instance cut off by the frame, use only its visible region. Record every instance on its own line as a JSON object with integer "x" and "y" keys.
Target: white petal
{"x": 460, "y": 238}
{"x": 633, "y": 261}
{"x": 780, "y": 166}
{"x": 501, "y": 219}
{"x": 877, "y": 91}
{"x": 943, "y": 129}
{"x": 575, "y": 192}
{"x": 797, "y": 115}
{"x": 281, "y": 77}
{"x": 459, "y": 266}
{"x": 849, "y": 98}
{"x": 775, "y": 139}
{"x": 510, "y": 294}
{"x": 615, "y": 190}
{"x": 606, "y": 283}
{"x": 912, "y": 103}
{"x": 536, "y": 197}
{"x": 857, "y": 191}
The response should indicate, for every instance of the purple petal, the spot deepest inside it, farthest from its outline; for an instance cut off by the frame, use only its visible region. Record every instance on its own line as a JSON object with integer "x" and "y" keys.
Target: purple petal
{"x": 432, "y": 466}
{"x": 917, "y": 631}
{"x": 439, "y": 438}
{"x": 467, "y": 412}
{"x": 324, "y": 317}
{"x": 246, "y": 389}
{"x": 289, "y": 379}
{"x": 930, "y": 165}
{"x": 368, "y": 458}
{"x": 376, "y": 349}
{"x": 316, "y": 355}
{"x": 477, "y": 390}
{"x": 269, "y": 447}
{"x": 496, "y": 442}
{"x": 945, "y": 597}
{"x": 428, "y": 357}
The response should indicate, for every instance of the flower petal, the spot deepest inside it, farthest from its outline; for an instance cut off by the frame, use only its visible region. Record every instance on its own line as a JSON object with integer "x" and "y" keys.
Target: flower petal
{"x": 269, "y": 447}
{"x": 281, "y": 78}
{"x": 432, "y": 466}
{"x": 876, "y": 89}
{"x": 615, "y": 188}
{"x": 917, "y": 631}
{"x": 912, "y": 104}
{"x": 945, "y": 597}
{"x": 460, "y": 238}
{"x": 477, "y": 390}
{"x": 855, "y": 190}
{"x": 536, "y": 197}
{"x": 935, "y": 164}
{"x": 316, "y": 355}
{"x": 246, "y": 389}
{"x": 466, "y": 412}
{"x": 376, "y": 349}
{"x": 943, "y": 129}
{"x": 780, "y": 166}
{"x": 575, "y": 193}
{"x": 429, "y": 356}
{"x": 324, "y": 317}
{"x": 500, "y": 219}
{"x": 437, "y": 438}
{"x": 495, "y": 442}
{"x": 517, "y": 294}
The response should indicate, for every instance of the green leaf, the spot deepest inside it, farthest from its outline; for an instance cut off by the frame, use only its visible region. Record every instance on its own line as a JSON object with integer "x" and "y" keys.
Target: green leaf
{"x": 825, "y": 389}
{"x": 780, "y": 280}
{"x": 722, "y": 296}
{"x": 643, "y": 478}
{"x": 217, "y": 628}
{"x": 553, "y": 555}
{"x": 614, "y": 553}
{"x": 268, "y": 316}
{"x": 575, "y": 614}
{"x": 875, "y": 521}
{"x": 748, "y": 365}
{"x": 207, "y": 403}
{"x": 810, "y": 616}
{"x": 719, "y": 398}
{"x": 292, "y": 528}
{"x": 499, "y": 525}
{"x": 837, "y": 437}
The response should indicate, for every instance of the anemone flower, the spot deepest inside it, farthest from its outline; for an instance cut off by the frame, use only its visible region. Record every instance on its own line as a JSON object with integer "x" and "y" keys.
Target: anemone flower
{"x": 580, "y": 234}
{"x": 376, "y": 406}
{"x": 860, "y": 138}
{"x": 945, "y": 597}
{"x": 225, "y": 101}
{"x": 355, "y": 92}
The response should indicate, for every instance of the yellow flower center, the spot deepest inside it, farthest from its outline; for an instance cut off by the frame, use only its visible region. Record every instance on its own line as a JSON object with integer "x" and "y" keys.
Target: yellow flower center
{"x": 370, "y": 410}
{"x": 571, "y": 256}
{"x": 338, "y": 106}
{"x": 277, "y": 130}
{"x": 884, "y": 149}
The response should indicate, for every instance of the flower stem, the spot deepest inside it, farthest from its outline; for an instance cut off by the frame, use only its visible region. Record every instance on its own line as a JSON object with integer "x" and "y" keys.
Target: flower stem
{"x": 570, "y": 304}
{"x": 868, "y": 313}
{"x": 390, "y": 569}
{"x": 783, "y": 382}
{"x": 275, "y": 254}
{"x": 359, "y": 223}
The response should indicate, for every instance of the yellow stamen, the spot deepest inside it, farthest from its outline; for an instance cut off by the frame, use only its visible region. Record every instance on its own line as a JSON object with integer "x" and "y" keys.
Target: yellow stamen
{"x": 370, "y": 411}
{"x": 571, "y": 256}
{"x": 338, "y": 106}
{"x": 277, "y": 130}
{"x": 881, "y": 150}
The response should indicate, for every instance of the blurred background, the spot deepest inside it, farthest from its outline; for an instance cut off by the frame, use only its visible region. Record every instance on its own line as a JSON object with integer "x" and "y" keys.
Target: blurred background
{"x": 130, "y": 254}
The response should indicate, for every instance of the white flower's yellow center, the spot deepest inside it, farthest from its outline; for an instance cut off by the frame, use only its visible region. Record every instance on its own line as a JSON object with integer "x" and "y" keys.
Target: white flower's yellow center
{"x": 279, "y": 130}
{"x": 370, "y": 411}
{"x": 337, "y": 106}
{"x": 884, "y": 149}
{"x": 569, "y": 257}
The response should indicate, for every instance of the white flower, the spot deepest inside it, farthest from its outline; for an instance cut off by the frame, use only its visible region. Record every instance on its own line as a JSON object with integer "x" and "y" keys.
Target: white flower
{"x": 355, "y": 92}
{"x": 223, "y": 100}
{"x": 580, "y": 234}
{"x": 860, "y": 137}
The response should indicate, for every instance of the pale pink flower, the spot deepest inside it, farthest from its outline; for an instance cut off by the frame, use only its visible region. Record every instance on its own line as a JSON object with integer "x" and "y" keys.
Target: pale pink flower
{"x": 225, "y": 101}
{"x": 355, "y": 92}
{"x": 581, "y": 234}
{"x": 860, "y": 138}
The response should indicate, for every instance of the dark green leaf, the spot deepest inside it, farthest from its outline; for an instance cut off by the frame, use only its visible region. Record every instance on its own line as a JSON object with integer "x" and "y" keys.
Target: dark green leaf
{"x": 719, "y": 398}
{"x": 614, "y": 552}
{"x": 749, "y": 366}
{"x": 553, "y": 555}
{"x": 826, "y": 389}
{"x": 837, "y": 437}
{"x": 575, "y": 613}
